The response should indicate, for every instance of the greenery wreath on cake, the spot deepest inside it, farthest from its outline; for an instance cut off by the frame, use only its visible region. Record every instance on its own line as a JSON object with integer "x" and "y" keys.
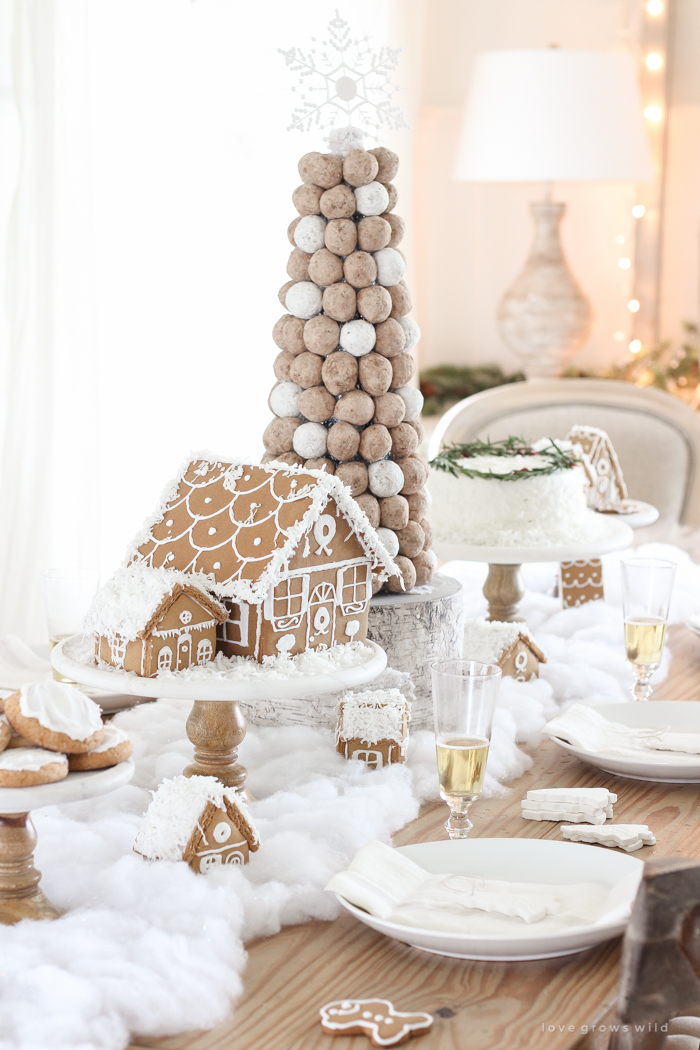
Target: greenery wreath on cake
{"x": 451, "y": 458}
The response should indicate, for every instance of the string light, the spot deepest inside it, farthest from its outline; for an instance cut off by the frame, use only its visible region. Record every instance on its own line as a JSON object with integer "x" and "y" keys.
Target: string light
{"x": 635, "y": 346}
{"x": 654, "y": 61}
{"x": 619, "y": 336}
{"x": 624, "y": 263}
{"x": 653, "y": 113}
{"x": 638, "y": 211}
{"x": 633, "y": 306}
{"x": 620, "y": 239}
{"x": 655, "y": 7}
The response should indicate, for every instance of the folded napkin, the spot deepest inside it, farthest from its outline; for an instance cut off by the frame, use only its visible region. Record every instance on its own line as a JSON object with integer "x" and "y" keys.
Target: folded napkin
{"x": 387, "y": 884}
{"x": 19, "y": 665}
{"x": 585, "y": 728}
{"x": 629, "y": 837}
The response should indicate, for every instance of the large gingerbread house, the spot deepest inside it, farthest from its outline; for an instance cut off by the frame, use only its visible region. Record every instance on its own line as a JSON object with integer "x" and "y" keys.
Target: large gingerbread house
{"x": 288, "y": 551}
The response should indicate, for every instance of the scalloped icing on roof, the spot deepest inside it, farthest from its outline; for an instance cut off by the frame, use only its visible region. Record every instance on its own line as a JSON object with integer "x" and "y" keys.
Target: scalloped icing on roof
{"x": 208, "y": 488}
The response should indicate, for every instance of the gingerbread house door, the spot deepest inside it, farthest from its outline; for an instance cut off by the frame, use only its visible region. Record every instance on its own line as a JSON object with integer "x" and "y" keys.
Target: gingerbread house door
{"x": 321, "y": 622}
{"x": 184, "y": 651}
{"x": 374, "y": 759}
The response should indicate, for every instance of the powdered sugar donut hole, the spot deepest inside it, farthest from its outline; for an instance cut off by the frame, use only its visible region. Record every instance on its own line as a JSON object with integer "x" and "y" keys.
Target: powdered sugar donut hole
{"x": 390, "y": 265}
{"x": 385, "y": 478}
{"x": 284, "y": 398}
{"x": 310, "y": 233}
{"x": 279, "y": 435}
{"x": 358, "y": 337}
{"x": 412, "y": 399}
{"x": 390, "y": 540}
{"x": 411, "y": 331}
{"x": 360, "y": 167}
{"x": 323, "y": 169}
{"x": 306, "y": 199}
{"x": 354, "y": 475}
{"x": 372, "y": 199}
{"x": 388, "y": 162}
{"x": 310, "y": 440}
{"x": 304, "y": 299}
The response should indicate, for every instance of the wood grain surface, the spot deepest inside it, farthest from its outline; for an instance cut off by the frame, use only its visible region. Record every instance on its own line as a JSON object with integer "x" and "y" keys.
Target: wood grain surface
{"x": 477, "y": 1006}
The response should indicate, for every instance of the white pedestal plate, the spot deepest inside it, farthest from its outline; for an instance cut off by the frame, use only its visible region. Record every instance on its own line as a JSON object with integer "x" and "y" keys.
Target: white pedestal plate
{"x": 20, "y": 896}
{"x": 216, "y": 725}
{"x": 504, "y": 588}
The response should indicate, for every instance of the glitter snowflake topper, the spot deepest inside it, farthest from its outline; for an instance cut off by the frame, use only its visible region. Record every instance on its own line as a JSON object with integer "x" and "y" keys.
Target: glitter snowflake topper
{"x": 345, "y": 81}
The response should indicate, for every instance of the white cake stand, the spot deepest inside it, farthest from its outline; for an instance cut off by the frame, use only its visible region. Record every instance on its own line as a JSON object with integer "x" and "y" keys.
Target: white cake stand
{"x": 504, "y": 587}
{"x": 216, "y": 725}
{"x": 20, "y": 896}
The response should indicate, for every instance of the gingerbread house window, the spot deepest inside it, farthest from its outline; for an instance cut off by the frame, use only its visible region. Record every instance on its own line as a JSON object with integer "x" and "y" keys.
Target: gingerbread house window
{"x": 373, "y": 759}
{"x": 204, "y": 651}
{"x": 354, "y": 588}
{"x": 289, "y": 603}
{"x": 119, "y": 651}
{"x": 165, "y": 658}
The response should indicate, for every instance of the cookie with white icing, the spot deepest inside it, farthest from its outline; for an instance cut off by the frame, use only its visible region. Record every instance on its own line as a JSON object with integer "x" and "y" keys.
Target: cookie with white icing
{"x": 375, "y": 1018}
{"x": 114, "y": 747}
{"x": 55, "y": 716}
{"x": 5, "y": 733}
{"x": 27, "y": 766}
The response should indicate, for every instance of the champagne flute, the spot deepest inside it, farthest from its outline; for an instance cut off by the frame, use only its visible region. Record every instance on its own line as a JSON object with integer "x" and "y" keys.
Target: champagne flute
{"x": 67, "y": 596}
{"x": 464, "y": 698}
{"x": 647, "y": 584}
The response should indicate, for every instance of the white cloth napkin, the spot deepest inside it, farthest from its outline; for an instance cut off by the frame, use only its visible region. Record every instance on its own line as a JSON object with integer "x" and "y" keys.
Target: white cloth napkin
{"x": 585, "y": 728}
{"x": 387, "y": 884}
{"x": 19, "y": 665}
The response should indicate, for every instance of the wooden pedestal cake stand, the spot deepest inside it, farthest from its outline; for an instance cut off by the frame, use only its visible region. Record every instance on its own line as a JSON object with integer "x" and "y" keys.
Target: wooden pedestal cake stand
{"x": 504, "y": 588}
{"x": 20, "y": 896}
{"x": 216, "y": 725}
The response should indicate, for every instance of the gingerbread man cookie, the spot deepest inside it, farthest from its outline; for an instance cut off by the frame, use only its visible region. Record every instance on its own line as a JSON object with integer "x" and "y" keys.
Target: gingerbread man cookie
{"x": 375, "y": 1018}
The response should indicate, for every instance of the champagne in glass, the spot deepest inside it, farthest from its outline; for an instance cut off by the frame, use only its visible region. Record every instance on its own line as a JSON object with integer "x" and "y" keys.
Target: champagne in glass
{"x": 464, "y": 698}
{"x": 67, "y": 596}
{"x": 647, "y": 584}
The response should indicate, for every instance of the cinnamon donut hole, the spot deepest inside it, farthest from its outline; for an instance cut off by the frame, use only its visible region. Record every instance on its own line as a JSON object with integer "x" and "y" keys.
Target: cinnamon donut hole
{"x": 404, "y": 439}
{"x": 402, "y": 368}
{"x": 325, "y": 169}
{"x": 393, "y": 512}
{"x": 360, "y": 269}
{"x": 282, "y": 364}
{"x": 325, "y": 268}
{"x": 370, "y": 505}
{"x": 415, "y": 474}
{"x": 411, "y": 539}
{"x": 375, "y": 443}
{"x": 291, "y": 228}
{"x": 373, "y": 233}
{"x": 428, "y": 533}
{"x": 389, "y": 409}
{"x": 355, "y": 407}
{"x": 307, "y": 199}
{"x": 293, "y": 333}
{"x": 306, "y": 370}
{"x": 338, "y": 203}
{"x": 278, "y": 331}
{"x": 419, "y": 428}
{"x": 339, "y": 372}
{"x": 374, "y": 303}
{"x": 375, "y": 374}
{"x": 321, "y": 335}
{"x": 407, "y": 579}
{"x": 417, "y": 505}
{"x": 393, "y": 196}
{"x": 341, "y": 236}
{"x": 282, "y": 294}
{"x": 298, "y": 265}
{"x": 401, "y": 299}
{"x": 388, "y": 163}
{"x": 292, "y": 459}
{"x": 391, "y": 338}
{"x": 360, "y": 167}
{"x": 316, "y": 403}
{"x": 354, "y": 475}
{"x": 279, "y": 434}
{"x": 340, "y": 301}
{"x": 321, "y": 464}
{"x": 398, "y": 228}
{"x": 343, "y": 442}
{"x": 424, "y": 565}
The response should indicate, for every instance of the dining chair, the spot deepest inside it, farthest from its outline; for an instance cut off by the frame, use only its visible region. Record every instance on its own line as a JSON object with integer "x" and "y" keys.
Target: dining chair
{"x": 656, "y": 435}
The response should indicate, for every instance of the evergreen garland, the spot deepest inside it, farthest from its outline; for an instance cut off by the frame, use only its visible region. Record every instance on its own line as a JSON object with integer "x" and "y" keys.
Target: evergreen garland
{"x": 452, "y": 458}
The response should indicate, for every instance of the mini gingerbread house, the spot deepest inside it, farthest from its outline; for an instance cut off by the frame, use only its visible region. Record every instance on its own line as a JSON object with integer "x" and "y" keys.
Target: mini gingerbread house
{"x": 608, "y": 484}
{"x": 287, "y": 550}
{"x": 373, "y": 726}
{"x": 509, "y": 645}
{"x": 148, "y": 620}
{"x": 200, "y": 821}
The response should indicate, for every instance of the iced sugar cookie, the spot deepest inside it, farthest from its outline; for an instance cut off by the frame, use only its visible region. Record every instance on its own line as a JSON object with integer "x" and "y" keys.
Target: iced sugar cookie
{"x": 25, "y": 766}
{"x": 5, "y": 733}
{"x": 114, "y": 747}
{"x": 55, "y": 716}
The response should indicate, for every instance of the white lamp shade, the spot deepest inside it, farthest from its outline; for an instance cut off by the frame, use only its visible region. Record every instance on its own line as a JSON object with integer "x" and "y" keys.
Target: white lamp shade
{"x": 553, "y": 115}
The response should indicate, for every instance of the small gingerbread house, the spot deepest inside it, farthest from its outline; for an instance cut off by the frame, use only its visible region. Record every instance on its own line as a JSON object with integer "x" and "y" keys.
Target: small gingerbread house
{"x": 200, "y": 821}
{"x": 509, "y": 645}
{"x": 148, "y": 620}
{"x": 373, "y": 726}
{"x": 607, "y": 483}
{"x": 287, "y": 550}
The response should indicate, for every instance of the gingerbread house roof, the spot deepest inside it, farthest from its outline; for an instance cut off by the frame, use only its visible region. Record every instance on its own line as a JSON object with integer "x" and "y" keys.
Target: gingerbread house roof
{"x": 485, "y": 641}
{"x": 181, "y": 808}
{"x": 595, "y": 443}
{"x": 239, "y": 525}
{"x": 134, "y": 600}
{"x": 372, "y": 715}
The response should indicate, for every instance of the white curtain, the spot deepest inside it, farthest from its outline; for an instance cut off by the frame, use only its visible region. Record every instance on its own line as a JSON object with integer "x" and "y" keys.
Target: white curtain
{"x": 147, "y": 244}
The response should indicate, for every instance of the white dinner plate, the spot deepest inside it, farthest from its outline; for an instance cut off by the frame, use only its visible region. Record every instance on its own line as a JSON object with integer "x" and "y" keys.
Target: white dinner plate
{"x": 527, "y": 860}
{"x": 661, "y": 767}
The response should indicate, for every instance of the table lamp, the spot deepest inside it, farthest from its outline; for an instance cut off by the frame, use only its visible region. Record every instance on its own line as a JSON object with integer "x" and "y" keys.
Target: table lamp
{"x": 551, "y": 115}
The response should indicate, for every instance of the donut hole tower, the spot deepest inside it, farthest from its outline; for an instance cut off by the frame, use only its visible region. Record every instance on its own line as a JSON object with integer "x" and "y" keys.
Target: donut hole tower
{"x": 343, "y": 400}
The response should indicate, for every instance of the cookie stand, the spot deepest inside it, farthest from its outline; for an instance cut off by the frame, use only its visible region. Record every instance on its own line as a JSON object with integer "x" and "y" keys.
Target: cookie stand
{"x": 216, "y": 725}
{"x": 20, "y": 896}
{"x": 504, "y": 588}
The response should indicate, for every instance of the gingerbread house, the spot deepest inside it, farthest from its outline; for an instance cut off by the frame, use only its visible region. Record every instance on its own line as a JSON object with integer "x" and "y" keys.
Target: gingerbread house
{"x": 200, "y": 821}
{"x": 288, "y": 551}
{"x": 607, "y": 483}
{"x": 373, "y": 726}
{"x": 509, "y": 645}
{"x": 148, "y": 620}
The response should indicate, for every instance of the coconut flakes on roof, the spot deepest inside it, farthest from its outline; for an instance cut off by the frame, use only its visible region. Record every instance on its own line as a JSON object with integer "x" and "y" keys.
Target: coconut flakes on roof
{"x": 485, "y": 641}
{"x": 372, "y": 715}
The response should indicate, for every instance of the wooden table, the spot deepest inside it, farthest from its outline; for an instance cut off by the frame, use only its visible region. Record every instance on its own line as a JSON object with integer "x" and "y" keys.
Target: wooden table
{"x": 477, "y": 1006}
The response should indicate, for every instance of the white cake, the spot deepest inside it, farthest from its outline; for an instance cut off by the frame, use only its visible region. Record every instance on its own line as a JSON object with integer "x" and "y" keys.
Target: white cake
{"x": 530, "y": 510}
